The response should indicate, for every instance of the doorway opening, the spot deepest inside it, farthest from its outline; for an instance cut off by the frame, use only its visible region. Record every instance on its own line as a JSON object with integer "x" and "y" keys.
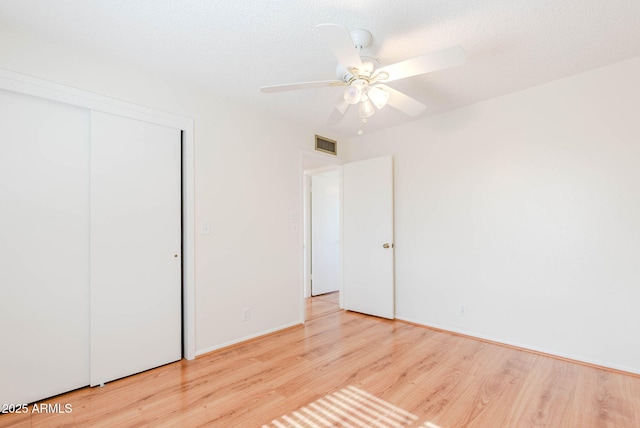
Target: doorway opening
{"x": 324, "y": 304}
{"x": 324, "y": 231}
{"x": 322, "y": 234}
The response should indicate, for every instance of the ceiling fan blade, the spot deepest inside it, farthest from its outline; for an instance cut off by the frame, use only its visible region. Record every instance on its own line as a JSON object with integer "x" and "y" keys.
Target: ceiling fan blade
{"x": 403, "y": 102}
{"x": 338, "y": 113}
{"x": 302, "y": 85}
{"x": 339, "y": 41}
{"x": 438, "y": 60}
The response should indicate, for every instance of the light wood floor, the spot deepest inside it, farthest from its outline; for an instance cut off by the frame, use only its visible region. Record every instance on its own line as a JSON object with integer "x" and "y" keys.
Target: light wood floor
{"x": 347, "y": 369}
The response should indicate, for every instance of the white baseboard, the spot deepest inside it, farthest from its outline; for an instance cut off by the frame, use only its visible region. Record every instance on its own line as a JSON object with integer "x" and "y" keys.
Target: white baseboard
{"x": 577, "y": 358}
{"x": 245, "y": 338}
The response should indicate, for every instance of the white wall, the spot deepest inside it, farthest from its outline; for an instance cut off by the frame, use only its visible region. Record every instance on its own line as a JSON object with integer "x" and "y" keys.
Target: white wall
{"x": 525, "y": 209}
{"x": 247, "y": 187}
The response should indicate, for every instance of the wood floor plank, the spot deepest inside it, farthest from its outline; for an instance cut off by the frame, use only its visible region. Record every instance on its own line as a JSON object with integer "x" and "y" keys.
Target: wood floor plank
{"x": 488, "y": 397}
{"x": 438, "y": 379}
{"x": 15, "y": 420}
{"x": 632, "y": 386}
{"x": 604, "y": 400}
{"x": 545, "y": 397}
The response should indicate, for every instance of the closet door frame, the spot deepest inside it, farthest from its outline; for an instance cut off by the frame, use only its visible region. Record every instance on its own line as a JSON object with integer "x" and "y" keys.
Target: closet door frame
{"x": 28, "y": 85}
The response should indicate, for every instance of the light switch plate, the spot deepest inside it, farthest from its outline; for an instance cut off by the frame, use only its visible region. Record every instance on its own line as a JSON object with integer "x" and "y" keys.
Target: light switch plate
{"x": 205, "y": 228}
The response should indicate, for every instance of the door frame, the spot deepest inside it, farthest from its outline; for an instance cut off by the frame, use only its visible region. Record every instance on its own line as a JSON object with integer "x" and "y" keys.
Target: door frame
{"x": 312, "y": 162}
{"x": 27, "y": 85}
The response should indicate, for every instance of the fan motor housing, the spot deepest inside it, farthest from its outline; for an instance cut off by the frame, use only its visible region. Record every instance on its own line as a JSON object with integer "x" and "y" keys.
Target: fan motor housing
{"x": 369, "y": 63}
{"x": 361, "y": 38}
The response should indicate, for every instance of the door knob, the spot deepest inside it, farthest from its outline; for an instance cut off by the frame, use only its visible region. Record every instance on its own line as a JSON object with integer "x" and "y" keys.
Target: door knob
{"x": 386, "y": 245}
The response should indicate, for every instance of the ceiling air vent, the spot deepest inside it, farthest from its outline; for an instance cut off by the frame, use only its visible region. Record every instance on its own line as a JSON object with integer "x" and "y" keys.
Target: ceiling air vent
{"x": 326, "y": 145}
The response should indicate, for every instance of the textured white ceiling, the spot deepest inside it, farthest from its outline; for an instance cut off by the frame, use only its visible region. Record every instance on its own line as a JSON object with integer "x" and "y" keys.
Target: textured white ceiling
{"x": 235, "y": 47}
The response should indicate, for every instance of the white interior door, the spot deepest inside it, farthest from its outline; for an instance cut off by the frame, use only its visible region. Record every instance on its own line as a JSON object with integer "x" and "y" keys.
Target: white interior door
{"x": 368, "y": 261}
{"x": 44, "y": 248}
{"x": 325, "y": 232}
{"x": 135, "y": 246}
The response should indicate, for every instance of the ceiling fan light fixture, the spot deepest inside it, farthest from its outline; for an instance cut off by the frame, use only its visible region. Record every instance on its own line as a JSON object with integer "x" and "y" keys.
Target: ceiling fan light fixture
{"x": 363, "y": 76}
{"x": 353, "y": 94}
{"x": 366, "y": 109}
{"x": 378, "y": 96}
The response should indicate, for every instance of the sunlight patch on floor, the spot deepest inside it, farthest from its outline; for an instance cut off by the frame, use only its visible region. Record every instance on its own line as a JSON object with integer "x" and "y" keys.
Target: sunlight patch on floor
{"x": 348, "y": 407}
{"x": 429, "y": 425}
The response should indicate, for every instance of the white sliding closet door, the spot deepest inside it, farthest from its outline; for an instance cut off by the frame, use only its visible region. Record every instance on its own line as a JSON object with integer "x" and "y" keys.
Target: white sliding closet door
{"x": 135, "y": 246}
{"x": 44, "y": 248}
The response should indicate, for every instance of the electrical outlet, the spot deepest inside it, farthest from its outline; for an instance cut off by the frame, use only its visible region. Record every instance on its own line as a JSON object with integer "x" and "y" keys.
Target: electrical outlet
{"x": 463, "y": 310}
{"x": 245, "y": 314}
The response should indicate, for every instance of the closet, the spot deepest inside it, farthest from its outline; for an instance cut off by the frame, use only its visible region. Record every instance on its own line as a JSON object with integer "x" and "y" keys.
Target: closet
{"x": 90, "y": 244}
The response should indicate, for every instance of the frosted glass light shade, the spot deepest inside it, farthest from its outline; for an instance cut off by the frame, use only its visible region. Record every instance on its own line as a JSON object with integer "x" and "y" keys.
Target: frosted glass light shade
{"x": 366, "y": 109}
{"x": 353, "y": 94}
{"x": 378, "y": 96}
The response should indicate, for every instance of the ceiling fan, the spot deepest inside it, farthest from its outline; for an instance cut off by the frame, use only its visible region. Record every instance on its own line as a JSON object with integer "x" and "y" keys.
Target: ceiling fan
{"x": 364, "y": 81}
